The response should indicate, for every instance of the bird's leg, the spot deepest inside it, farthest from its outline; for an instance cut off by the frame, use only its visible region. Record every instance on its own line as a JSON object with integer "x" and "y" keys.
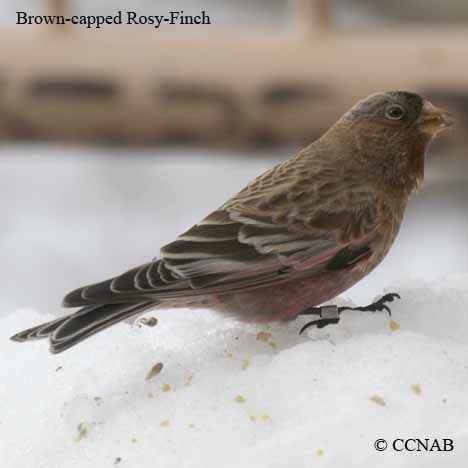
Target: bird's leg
{"x": 328, "y": 315}
{"x": 331, "y": 314}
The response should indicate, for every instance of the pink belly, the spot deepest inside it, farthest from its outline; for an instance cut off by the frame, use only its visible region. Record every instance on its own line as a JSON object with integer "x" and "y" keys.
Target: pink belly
{"x": 284, "y": 301}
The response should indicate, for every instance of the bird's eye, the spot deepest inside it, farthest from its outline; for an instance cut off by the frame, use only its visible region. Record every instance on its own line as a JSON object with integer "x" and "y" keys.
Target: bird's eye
{"x": 395, "y": 112}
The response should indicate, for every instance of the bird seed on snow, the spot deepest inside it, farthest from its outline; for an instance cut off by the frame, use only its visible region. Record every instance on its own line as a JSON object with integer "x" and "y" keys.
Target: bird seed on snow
{"x": 378, "y": 400}
{"x": 263, "y": 336}
{"x": 155, "y": 370}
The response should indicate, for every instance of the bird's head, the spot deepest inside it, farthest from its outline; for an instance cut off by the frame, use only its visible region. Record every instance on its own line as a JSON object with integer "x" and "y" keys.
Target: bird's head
{"x": 399, "y": 112}
{"x": 390, "y": 133}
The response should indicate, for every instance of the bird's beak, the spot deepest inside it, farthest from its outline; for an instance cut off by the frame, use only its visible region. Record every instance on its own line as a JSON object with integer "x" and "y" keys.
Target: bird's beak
{"x": 433, "y": 120}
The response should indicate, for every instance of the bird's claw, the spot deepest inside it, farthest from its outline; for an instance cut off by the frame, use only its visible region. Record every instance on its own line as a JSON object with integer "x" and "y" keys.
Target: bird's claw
{"x": 319, "y": 323}
{"x": 330, "y": 315}
{"x": 377, "y": 306}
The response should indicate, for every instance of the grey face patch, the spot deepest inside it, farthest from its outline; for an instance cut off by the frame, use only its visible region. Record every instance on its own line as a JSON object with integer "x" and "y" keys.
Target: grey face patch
{"x": 374, "y": 107}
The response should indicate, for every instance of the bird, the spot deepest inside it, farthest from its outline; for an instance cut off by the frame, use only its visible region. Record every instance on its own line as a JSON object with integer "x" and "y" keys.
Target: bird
{"x": 292, "y": 240}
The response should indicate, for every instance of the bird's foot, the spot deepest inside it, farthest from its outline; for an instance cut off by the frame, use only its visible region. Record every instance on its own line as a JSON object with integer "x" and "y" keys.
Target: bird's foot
{"x": 377, "y": 306}
{"x": 329, "y": 315}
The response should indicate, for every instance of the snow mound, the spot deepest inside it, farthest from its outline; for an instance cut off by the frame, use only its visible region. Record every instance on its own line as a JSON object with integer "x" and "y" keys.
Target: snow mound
{"x": 244, "y": 396}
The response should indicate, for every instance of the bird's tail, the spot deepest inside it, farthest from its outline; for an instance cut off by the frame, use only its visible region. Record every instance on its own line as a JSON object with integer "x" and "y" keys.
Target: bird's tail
{"x": 67, "y": 331}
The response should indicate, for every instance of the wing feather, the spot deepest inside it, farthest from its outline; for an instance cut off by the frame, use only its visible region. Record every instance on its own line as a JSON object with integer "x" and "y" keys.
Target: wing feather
{"x": 282, "y": 224}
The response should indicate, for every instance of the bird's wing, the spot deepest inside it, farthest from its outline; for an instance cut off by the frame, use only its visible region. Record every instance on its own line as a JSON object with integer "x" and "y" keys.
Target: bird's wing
{"x": 230, "y": 251}
{"x": 301, "y": 215}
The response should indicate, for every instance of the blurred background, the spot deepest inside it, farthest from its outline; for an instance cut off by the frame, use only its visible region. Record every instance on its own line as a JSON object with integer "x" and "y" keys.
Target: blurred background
{"x": 113, "y": 141}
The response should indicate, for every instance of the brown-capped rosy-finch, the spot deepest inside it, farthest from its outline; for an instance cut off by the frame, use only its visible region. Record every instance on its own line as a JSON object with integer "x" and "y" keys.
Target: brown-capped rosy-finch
{"x": 294, "y": 238}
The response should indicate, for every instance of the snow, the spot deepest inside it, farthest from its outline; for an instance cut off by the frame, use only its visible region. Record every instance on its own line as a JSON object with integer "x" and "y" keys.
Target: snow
{"x": 228, "y": 396}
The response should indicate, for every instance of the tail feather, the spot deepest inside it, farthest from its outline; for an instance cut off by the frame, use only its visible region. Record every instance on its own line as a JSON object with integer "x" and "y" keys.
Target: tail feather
{"x": 70, "y": 330}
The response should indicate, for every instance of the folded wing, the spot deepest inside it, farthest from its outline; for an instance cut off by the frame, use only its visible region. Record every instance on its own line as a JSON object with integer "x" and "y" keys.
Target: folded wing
{"x": 227, "y": 252}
